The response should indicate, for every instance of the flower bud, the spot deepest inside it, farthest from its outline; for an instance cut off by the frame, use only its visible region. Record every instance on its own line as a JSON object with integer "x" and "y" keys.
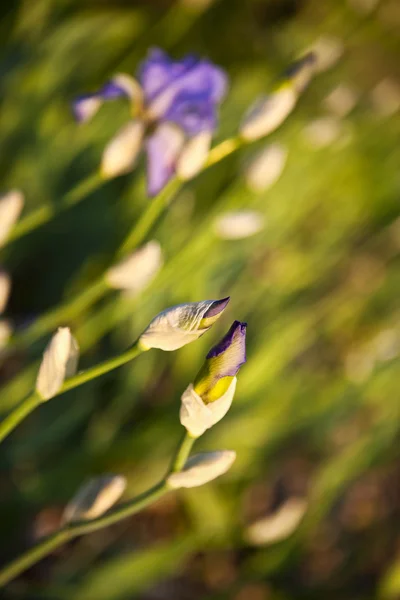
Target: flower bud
{"x": 265, "y": 168}
{"x": 11, "y": 205}
{"x": 279, "y": 525}
{"x": 208, "y": 399}
{"x": 136, "y": 271}
{"x": 95, "y": 498}
{"x": 194, "y": 155}
{"x": 120, "y": 154}
{"x": 60, "y": 361}
{"x": 270, "y": 111}
{"x": 120, "y": 86}
{"x": 5, "y": 285}
{"x": 239, "y": 224}
{"x": 202, "y": 468}
{"x": 179, "y": 325}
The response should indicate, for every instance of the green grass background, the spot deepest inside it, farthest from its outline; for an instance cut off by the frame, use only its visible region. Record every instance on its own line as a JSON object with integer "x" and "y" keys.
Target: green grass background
{"x": 317, "y": 409}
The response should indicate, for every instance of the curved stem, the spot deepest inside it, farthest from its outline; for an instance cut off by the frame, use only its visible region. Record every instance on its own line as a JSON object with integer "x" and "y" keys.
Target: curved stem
{"x": 182, "y": 453}
{"x": 43, "y": 214}
{"x": 34, "y": 399}
{"x": 46, "y": 546}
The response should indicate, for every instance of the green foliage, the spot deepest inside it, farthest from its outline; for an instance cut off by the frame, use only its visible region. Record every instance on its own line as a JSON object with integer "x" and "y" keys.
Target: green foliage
{"x": 316, "y": 412}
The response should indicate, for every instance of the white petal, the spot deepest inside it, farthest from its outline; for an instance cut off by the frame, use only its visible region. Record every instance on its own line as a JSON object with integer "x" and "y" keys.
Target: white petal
{"x": 268, "y": 113}
{"x": 59, "y": 362}
{"x": 176, "y": 326}
{"x": 194, "y": 155}
{"x": 94, "y": 498}
{"x": 279, "y": 525}
{"x": 136, "y": 271}
{"x": 121, "y": 153}
{"x": 11, "y": 205}
{"x": 5, "y": 286}
{"x": 265, "y": 167}
{"x": 202, "y": 468}
{"x": 239, "y": 224}
{"x": 196, "y": 416}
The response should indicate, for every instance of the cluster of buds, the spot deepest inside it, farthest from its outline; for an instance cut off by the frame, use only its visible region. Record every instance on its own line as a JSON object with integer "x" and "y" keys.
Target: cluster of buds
{"x": 204, "y": 402}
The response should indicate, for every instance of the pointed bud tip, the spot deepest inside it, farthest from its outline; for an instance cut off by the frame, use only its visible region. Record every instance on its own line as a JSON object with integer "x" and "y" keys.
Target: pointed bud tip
{"x": 217, "y": 307}
{"x": 308, "y": 60}
{"x": 237, "y": 331}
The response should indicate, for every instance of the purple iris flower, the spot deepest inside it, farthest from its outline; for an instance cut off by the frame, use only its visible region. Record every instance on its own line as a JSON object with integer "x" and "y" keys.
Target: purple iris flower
{"x": 175, "y": 100}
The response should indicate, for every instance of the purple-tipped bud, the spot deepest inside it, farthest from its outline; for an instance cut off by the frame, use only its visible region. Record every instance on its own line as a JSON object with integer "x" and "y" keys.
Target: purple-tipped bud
{"x": 217, "y": 307}
{"x": 222, "y": 363}
{"x": 234, "y": 339}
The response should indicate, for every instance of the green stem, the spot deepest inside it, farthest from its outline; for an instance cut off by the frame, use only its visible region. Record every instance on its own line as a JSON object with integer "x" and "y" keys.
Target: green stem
{"x": 182, "y": 454}
{"x": 34, "y": 399}
{"x": 45, "y": 547}
{"x": 44, "y": 214}
{"x": 139, "y": 233}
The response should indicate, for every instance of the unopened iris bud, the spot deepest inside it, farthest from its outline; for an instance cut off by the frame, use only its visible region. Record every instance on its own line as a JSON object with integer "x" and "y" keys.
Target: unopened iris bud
{"x": 136, "y": 271}
{"x": 5, "y": 285}
{"x": 202, "y": 468}
{"x": 179, "y": 325}
{"x": 238, "y": 224}
{"x": 60, "y": 361}
{"x": 208, "y": 399}
{"x": 120, "y": 154}
{"x": 94, "y": 498}
{"x": 194, "y": 155}
{"x": 11, "y": 205}
{"x": 270, "y": 111}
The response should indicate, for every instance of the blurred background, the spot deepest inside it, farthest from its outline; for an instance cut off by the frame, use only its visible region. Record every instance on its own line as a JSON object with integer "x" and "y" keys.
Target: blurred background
{"x": 311, "y": 508}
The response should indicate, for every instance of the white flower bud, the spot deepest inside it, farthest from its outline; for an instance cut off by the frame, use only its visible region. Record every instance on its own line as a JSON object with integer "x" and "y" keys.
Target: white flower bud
{"x": 202, "y": 468}
{"x": 268, "y": 113}
{"x": 95, "y": 498}
{"x": 5, "y": 286}
{"x": 59, "y": 362}
{"x": 136, "y": 271}
{"x": 197, "y": 416}
{"x": 120, "y": 154}
{"x": 179, "y": 325}
{"x": 265, "y": 168}
{"x": 239, "y": 224}
{"x": 279, "y": 525}
{"x": 11, "y": 205}
{"x": 194, "y": 155}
